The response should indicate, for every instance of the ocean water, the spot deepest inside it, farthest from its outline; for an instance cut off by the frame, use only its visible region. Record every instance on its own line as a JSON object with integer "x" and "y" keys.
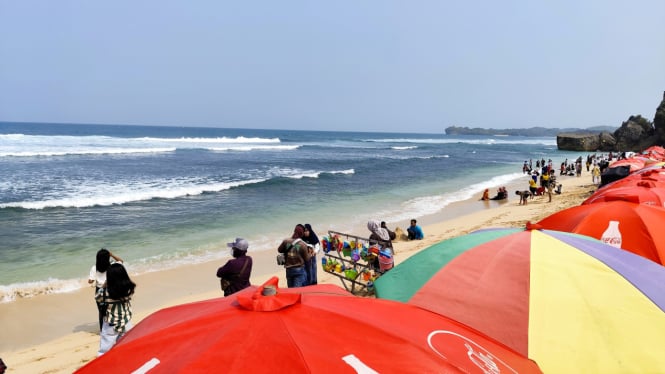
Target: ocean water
{"x": 161, "y": 197}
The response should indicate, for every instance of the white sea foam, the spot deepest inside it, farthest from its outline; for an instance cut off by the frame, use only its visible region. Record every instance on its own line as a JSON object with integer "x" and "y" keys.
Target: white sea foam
{"x": 426, "y": 205}
{"x": 19, "y": 145}
{"x": 101, "y": 194}
{"x": 85, "y": 152}
{"x": 404, "y": 148}
{"x": 316, "y": 174}
{"x": 30, "y": 289}
{"x": 224, "y": 139}
{"x": 115, "y": 195}
{"x": 256, "y": 148}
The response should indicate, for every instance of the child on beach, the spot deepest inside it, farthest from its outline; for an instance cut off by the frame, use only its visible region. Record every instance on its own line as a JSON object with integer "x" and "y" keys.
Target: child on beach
{"x": 116, "y": 294}
{"x": 98, "y": 277}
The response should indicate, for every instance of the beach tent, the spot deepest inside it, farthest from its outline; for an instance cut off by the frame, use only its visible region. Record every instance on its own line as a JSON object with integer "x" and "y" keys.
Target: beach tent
{"x": 640, "y": 227}
{"x": 613, "y": 174}
{"x": 317, "y": 329}
{"x": 571, "y": 303}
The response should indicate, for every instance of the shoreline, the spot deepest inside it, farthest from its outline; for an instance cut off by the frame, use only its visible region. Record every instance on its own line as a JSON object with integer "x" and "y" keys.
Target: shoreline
{"x": 58, "y": 332}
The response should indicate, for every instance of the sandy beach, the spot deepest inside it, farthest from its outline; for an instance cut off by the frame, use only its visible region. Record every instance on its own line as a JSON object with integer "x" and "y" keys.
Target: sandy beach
{"x": 58, "y": 333}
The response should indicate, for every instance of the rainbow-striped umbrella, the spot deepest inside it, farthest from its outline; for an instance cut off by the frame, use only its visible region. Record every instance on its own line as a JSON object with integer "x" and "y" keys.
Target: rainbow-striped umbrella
{"x": 571, "y": 303}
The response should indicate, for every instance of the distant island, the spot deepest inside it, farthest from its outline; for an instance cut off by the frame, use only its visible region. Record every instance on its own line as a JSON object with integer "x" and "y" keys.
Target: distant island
{"x": 531, "y": 131}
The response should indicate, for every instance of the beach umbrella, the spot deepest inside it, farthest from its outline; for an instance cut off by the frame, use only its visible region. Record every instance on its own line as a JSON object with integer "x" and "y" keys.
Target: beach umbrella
{"x": 640, "y": 193}
{"x": 639, "y": 228}
{"x": 654, "y": 178}
{"x": 571, "y": 303}
{"x": 314, "y": 329}
{"x": 656, "y": 152}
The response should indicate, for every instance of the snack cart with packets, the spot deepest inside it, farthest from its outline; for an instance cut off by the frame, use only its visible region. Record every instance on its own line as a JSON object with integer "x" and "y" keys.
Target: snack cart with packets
{"x": 355, "y": 260}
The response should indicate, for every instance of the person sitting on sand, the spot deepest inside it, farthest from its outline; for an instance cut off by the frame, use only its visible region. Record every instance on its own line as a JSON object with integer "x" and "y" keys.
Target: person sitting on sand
{"x": 486, "y": 194}
{"x": 501, "y": 194}
{"x": 414, "y": 231}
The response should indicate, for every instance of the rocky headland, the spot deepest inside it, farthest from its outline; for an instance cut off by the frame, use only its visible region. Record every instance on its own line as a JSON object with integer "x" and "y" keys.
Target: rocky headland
{"x": 635, "y": 134}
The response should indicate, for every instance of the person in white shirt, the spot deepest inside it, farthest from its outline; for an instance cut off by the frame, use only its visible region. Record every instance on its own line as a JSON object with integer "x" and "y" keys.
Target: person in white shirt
{"x": 98, "y": 277}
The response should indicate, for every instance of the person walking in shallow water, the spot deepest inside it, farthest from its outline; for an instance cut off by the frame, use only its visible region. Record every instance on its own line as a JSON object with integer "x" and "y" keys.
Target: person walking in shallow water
{"x": 98, "y": 277}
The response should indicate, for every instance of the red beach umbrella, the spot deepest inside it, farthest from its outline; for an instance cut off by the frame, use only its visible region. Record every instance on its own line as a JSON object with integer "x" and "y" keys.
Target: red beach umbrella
{"x": 656, "y": 152}
{"x": 319, "y": 329}
{"x": 640, "y": 226}
{"x": 654, "y": 177}
{"x": 634, "y": 163}
{"x": 640, "y": 193}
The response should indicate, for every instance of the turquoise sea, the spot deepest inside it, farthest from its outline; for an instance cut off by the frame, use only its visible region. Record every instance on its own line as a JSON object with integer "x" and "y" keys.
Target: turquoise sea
{"x": 161, "y": 197}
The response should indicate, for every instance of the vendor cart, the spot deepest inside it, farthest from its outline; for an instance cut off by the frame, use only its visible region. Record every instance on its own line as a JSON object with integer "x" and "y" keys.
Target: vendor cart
{"x": 355, "y": 260}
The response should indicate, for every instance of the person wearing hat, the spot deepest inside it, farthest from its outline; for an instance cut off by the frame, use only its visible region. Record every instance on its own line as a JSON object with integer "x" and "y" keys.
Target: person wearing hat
{"x": 238, "y": 269}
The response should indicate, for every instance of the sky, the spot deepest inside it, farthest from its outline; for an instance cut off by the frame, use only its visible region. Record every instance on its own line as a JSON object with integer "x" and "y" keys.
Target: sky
{"x": 364, "y": 65}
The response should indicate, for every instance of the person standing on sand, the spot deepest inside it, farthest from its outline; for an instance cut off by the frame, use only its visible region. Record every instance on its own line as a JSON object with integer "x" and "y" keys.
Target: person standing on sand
{"x": 296, "y": 254}
{"x": 309, "y": 236}
{"x": 595, "y": 175}
{"x": 98, "y": 277}
{"x": 391, "y": 234}
{"x": 237, "y": 270}
{"x": 116, "y": 294}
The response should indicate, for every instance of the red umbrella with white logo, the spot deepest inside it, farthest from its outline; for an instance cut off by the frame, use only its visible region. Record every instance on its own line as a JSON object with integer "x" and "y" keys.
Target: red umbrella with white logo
{"x": 637, "y": 228}
{"x": 315, "y": 329}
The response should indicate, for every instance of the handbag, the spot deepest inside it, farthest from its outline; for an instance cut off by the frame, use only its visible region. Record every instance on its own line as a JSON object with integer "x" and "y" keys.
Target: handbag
{"x": 281, "y": 260}
{"x": 225, "y": 283}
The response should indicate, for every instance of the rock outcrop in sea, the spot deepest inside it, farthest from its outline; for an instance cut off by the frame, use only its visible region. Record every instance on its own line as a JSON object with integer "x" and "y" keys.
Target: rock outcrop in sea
{"x": 635, "y": 134}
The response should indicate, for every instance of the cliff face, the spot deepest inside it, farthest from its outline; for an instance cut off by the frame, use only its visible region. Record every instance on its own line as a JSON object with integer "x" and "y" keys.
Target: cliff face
{"x": 659, "y": 122}
{"x": 635, "y": 134}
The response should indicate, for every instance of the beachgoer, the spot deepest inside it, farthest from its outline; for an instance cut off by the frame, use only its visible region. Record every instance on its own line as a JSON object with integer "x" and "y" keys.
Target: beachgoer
{"x": 3, "y": 367}
{"x": 381, "y": 236}
{"x": 414, "y": 231}
{"x": 533, "y": 187}
{"x": 501, "y": 194}
{"x": 296, "y": 254}
{"x": 98, "y": 277}
{"x": 524, "y": 196}
{"x": 595, "y": 174}
{"x": 237, "y": 270}
{"x": 117, "y": 295}
{"x": 310, "y": 237}
{"x": 486, "y": 194}
{"x": 558, "y": 189}
{"x": 379, "y": 233}
{"x": 391, "y": 233}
